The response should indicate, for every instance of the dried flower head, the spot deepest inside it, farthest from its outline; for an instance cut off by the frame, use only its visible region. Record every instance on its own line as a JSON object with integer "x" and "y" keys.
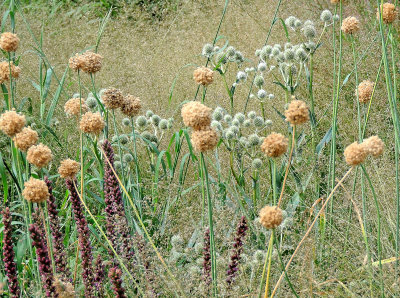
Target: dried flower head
{"x": 196, "y": 115}
{"x": 350, "y": 25}
{"x": 75, "y": 62}
{"x": 39, "y": 155}
{"x": 374, "y": 146}
{"x": 365, "y": 90}
{"x": 131, "y": 105}
{"x": 389, "y": 13}
{"x": 92, "y": 123}
{"x": 205, "y": 139}
{"x": 297, "y": 112}
{"x": 74, "y": 105}
{"x": 35, "y": 191}
{"x": 203, "y": 76}
{"x": 274, "y": 145}
{"x": 355, "y": 154}
{"x": 271, "y": 217}
{"x": 9, "y": 42}
{"x": 25, "y": 139}
{"x": 68, "y": 168}
{"x": 5, "y": 71}
{"x": 90, "y": 62}
{"x": 64, "y": 289}
{"x": 112, "y": 98}
{"x": 11, "y": 123}
{"x": 335, "y": 1}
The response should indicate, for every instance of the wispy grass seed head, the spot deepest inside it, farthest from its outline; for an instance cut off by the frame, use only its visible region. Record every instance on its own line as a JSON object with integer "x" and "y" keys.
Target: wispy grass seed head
{"x": 274, "y": 145}
{"x": 271, "y": 217}
{"x": 9, "y": 42}
{"x": 35, "y": 191}
{"x": 68, "y": 168}
{"x": 12, "y": 123}
{"x": 39, "y": 155}
{"x": 25, "y": 139}
{"x": 92, "y": 123}
{"x": 203, "y": 76}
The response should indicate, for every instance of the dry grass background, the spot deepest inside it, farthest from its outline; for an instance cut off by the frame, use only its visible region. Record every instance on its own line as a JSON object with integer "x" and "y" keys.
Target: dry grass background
{"x": 143, "y": 59}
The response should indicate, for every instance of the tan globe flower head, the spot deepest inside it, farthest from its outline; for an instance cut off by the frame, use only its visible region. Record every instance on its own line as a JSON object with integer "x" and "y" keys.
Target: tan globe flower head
{"x": 75, "y": 62}
{"x": 11, "y": 123}
{"x": 274, "y": 145}
{"x": 112, "y": 98}
{"x": 374, "y": 146}
{"x": 365, "y": 90}
{"x": 9, "y": 42}
{"x": 25, "y": 139}
{"x": 39, "y": 155}
{"x": 350, "y": 25}
{"x": 203, "y": 76}
{"x": 90, "y": 62}
{"x": 389, "y": 13}
{"x": 5, "y": 71}
{"x": 74, "y": 105}
{"x": 131, "y": 105}
{"x": 297, "y": 112}
{"x": 205, "y": 139}
{"x": 196, "y": 115}
{"x": 68, "y": 168}
{"x": 355, "y": 154}
{"x": 92, "y": 123}
{"x": 35, "y": 191}
{"x": 271, "y": 217}
{"x": 335, "y": 1}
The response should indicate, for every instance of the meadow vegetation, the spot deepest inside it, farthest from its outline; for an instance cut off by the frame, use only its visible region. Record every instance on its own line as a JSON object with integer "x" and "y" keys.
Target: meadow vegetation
{"x": 199, "y": 148}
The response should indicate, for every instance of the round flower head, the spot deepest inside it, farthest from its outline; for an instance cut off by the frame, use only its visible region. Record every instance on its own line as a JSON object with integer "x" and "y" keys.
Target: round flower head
{"x": 326, "y": 16}
{"x": 74, "y": 105}
{"x": 39, "y": 155}
{"x": 274, "y": 145}
{"x": 75, "y": 62}
{"x": 90, "y": 62}
{"x": 68, "y": 168}
{"x": 92, "y": 123}
{"x": 365, "y": 90}
{"x": 203, "y": 76}
{"x": 271, "y": 217}
{"x": 25, "y": 139}
{"x": 5, "y": 71}
{"x": 350, "y": 25}
{"x": 11, "y": 123}
{"x": 112, "y": 98}
{"x": 297, "y": 112}
{"x": 9, "y": 42}
{"x": 389, "y": 13}
{"x": 355, "y": 154}
{"x": 374, "y": 146}
{"x": 335, "y": 1}
{"x": 204, "y": 140}
{"x": 35, "y": 191}
{"x": 196, "y": 115}
{"x": 131, "y": 105}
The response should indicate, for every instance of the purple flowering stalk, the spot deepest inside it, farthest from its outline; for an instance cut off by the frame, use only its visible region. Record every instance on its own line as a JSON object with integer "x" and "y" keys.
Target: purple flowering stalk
{"x": 59, "y": 255}
{"x": 115, "y": 276}
{"x": 43, "y": 258}
{"x": 117, "y": 223}
{"x": 237, "y": 250}
{"x": 83, "y": 237}
{"x": 207, "y": 258}
{"x": 8, "y": 255}
{"x": 100, "y": 274}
